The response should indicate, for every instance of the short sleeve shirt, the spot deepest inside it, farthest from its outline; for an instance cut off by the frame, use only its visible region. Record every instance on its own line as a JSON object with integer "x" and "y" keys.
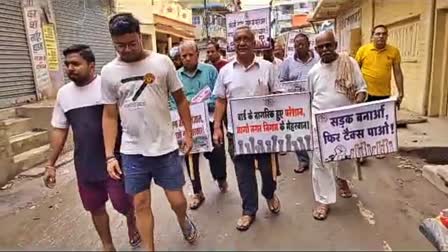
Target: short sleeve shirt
{"x": 237, "y": 81}
{"x": 141, "y": 91}
{"x": 81, "y": 108}
{"x": 376, "y": 66}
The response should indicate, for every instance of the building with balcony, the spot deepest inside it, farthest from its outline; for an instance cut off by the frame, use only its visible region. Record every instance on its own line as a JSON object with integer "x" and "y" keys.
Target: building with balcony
{"x": 163, "y": 23}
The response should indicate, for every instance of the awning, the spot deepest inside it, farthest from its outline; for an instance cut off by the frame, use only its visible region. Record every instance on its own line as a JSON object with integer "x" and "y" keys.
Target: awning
{"x": 173, "y": 27}
{"x": 329, "y": 9}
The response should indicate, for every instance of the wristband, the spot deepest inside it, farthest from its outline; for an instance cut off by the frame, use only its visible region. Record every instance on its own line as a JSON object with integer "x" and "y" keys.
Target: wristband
{"x": 108, "y": 159}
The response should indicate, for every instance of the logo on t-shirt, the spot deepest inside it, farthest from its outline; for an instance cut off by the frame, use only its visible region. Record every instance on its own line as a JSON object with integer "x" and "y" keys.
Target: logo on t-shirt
{"x": 147, "y": 79}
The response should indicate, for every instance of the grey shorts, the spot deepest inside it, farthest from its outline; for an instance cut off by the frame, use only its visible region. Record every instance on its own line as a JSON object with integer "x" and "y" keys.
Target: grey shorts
{"x": 166, "y": 170}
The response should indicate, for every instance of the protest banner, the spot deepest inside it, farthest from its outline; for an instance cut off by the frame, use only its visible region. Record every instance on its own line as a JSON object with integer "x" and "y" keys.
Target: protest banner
{"x": 294, "y": 86}
{"x": 258, "y": 20}
{"x": 357, "y": 131}
{"x": 202, "y": 139}
{"x": 272, "y": 123}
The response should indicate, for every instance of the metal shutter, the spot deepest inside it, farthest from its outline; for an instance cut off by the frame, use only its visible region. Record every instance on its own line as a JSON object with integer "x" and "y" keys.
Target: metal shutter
{"x": 84, "y": 22}
{"x": 16, "y": 70}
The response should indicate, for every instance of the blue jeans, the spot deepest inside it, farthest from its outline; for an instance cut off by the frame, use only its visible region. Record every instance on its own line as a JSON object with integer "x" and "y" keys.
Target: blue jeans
{"x": 166, "y": 170}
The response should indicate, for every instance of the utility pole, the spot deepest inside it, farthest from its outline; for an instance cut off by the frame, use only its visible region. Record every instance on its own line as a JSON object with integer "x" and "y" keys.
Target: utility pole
{"x": 206, "y": 19}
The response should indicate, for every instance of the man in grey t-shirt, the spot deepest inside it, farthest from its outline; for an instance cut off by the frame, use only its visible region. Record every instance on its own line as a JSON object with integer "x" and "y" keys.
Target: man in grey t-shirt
{"x": 137, "y": 84}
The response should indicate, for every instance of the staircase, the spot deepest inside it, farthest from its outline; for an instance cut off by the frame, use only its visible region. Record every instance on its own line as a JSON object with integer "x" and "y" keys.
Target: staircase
{"x": 27, "y": 146}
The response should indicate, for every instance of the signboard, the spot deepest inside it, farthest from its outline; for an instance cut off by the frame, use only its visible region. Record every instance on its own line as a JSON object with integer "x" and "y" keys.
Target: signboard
{"x": 259, "y": 22}
{"x": 294, "y": 86}
{"x": 51, "y": 47}
{"x": 356, "y": 131}
{"x": 33, "y": 26}
{"x": 202, "y": 139}
{"x": 272, "y": 123}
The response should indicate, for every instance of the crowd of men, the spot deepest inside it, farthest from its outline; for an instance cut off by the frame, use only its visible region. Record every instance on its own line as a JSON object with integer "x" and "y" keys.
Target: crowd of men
{"x": 124, "y": 137}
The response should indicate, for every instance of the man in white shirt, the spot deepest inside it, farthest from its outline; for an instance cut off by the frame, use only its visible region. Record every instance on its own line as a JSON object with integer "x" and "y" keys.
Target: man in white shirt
{"x": 332, "y": 86}
{"x": 246, "y": 76}
{"x": 137, "y": 85}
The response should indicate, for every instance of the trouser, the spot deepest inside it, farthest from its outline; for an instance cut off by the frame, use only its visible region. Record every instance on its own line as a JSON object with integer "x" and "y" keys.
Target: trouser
{"x": 323, "y": 177}
{"x": 247, "y": 181}
{"x": 303, "y": 157}
{"x": 217, "y": 163}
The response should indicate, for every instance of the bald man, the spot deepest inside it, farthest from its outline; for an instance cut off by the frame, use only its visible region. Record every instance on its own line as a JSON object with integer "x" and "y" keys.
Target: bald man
{"x": 196, "y": 76}
{"x": 328, "y": 94}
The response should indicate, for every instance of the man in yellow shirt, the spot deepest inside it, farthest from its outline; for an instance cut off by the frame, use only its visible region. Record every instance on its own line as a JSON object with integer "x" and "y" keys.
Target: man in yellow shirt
{"x": 376, "y": 60}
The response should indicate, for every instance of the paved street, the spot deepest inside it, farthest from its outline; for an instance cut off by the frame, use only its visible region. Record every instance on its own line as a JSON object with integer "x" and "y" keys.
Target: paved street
{"x": 384, "y": 215}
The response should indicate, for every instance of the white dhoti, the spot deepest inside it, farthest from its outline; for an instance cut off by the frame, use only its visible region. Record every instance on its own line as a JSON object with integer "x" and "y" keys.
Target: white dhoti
{"x": 324, "y": 175}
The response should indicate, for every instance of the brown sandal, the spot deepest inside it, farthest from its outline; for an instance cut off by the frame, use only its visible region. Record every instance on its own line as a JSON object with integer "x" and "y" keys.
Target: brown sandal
{"x": 274, "y": 205}
{"x": 344, "y": 189}
{"x": 196, "y": 201}
{"x": 244, "y": 222}
{"x": 321, "y": 212}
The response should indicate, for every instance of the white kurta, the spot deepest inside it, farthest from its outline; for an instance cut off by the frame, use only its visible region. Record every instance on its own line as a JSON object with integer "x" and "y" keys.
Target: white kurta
{"x": 322, "y": 79}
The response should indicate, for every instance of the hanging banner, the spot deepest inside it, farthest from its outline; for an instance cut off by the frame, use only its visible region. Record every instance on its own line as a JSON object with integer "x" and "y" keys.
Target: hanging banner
{"x": 258, "y": 20}
{"x": 202, "y": 138}
{"x": 357, "y": 131}
{"x": 272, "y": 123}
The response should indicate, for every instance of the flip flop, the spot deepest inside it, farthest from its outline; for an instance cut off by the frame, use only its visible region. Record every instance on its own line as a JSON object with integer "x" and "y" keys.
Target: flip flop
{"x": 136, "y": 240}
{"x": 272, "y": 208}
{"x": 190, "y": 232}
{"x": 244, "y": 222}
{"x": 321, "y": 212}
{"x": 196, "y": 201}
{"x": 344, "y": 189}
{"x": 301, "y": 169}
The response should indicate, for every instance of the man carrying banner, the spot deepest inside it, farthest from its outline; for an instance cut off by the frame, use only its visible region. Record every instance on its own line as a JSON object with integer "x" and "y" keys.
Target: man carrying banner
{"x": 195, "y": 77}
{"x": 279, "y": 51}
{"x": 296, "y": 68}
{"x": 246, "y": 76}
{"x": 335, "y": 81}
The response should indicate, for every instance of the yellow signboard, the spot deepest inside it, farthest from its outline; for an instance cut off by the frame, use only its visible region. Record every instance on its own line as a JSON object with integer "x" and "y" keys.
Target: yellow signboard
{"x": 51, "y": 47}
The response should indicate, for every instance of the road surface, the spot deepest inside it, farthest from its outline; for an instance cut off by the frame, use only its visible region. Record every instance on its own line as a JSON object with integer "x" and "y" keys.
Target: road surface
{"x": 384, "y": 214}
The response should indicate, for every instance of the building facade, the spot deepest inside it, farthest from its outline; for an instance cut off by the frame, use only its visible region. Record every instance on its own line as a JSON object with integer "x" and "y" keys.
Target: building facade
{"x": 418, "y": 28}
{"x": 163, "y": 23}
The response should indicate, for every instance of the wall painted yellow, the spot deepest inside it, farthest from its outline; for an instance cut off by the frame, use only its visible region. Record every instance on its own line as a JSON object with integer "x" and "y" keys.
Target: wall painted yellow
{"x": 395, "y": 14}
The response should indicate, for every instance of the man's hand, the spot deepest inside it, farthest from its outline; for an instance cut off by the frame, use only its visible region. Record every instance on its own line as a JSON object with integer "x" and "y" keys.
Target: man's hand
{"x": 187, "y": 144}
{"x": 218, "y": 136}
{"x": 50, "y": 176}
{"x": 361, "y": 97}
{"x": 113, "y": 168}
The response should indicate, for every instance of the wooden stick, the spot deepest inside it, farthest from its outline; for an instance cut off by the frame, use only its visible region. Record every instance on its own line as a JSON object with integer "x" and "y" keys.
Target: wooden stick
{"x": 190, "y": 164}
{"x": 274, "y": 166}
{"x": 358, "y": 169}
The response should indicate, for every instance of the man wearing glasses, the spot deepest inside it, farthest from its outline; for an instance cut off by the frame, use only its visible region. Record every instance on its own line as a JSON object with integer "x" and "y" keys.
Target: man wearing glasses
{"x": 136, "y": 85}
